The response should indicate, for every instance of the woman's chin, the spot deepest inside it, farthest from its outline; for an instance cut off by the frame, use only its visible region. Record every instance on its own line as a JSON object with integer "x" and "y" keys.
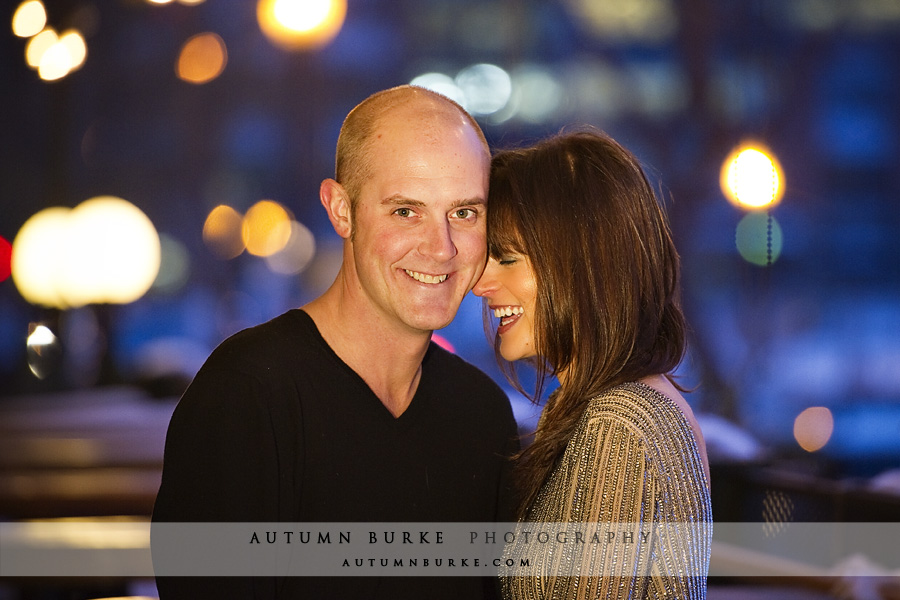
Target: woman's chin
{"x": 511, "y": 354}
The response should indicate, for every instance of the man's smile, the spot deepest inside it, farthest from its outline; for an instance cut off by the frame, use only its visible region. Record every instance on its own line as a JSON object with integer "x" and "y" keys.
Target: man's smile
{"x": 426, "y": 278}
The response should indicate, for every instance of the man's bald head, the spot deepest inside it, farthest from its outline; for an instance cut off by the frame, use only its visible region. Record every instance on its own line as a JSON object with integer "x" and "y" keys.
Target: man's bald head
{"x": 419, "y": 107}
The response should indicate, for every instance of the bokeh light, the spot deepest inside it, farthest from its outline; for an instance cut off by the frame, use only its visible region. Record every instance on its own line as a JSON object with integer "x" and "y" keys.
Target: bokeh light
{"x": 487, "y": 88}
{"x": 301, "y": 24}
{"x": 813, "y": 428}
{"x": 112, "y": 253}
{"x": 442, "y": 342}
{"x": 43, "y": 350}
{"x": 266, "y": 228}
{"x": 29, "y": 19}
{"x": 202, "y": 58}
{"x": 759, "y": 238}
{"x": 5, "y": 258}
{"x": 751, "y": 177}
{"x": 296, "y": 254}
{"x": 37, "y": 256}
{"x": 537, "y": 93}
{"x": 442, "y": 84}
{"x": 222, "y": 232}
{"x": 643, "y": 20}
{"x": 74, "y": 42}
{"x": 56, "y": 62}
{"x": 103, "y": 250}
{"x": 55, "y": 56}
{"x": 38, "y": 45}
{"x": 174, "y": 266}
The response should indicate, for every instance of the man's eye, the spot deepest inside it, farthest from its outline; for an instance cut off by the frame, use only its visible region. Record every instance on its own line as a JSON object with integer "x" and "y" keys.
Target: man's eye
{"x": 403, "y": 212}
{"x": 465, "y": 213}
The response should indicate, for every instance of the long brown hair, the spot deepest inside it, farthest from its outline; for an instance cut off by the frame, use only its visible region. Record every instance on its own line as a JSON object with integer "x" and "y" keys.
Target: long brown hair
{"x": 607, "y": 311}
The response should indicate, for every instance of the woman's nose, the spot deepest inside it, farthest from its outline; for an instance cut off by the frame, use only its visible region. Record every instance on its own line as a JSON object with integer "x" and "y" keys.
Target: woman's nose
{"x": 487, "y": 285}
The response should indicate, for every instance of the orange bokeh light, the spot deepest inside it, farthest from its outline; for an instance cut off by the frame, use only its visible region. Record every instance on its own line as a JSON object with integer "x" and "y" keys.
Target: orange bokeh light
{"x": 813, "y": 428}
{"x": 202, "y": 58}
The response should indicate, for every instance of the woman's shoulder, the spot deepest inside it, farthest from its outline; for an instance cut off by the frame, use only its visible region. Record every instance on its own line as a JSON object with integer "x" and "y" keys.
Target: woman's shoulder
{"x": 664, "y": 424}
{"x": 640, "y": 409}
{"x": 633, "y": 401}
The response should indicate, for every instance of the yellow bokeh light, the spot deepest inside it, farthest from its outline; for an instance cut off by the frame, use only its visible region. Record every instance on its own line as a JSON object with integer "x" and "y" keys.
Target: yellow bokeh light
{"x": 751, "y": 178}
{"x": 29, "y": 19}
{"x": 113, "y": 253}
{"x": 38, "y": 45}
{"x": 222, "y": 232}
{"x": 105, "y": 250}
{"x": 813, "y": 428}
{"x": 37, "y": 256}
{"x": 299, "y": 24}
{"x": 266, "y": 228}
{"x": 202, "y": 58}
{"x": 55, "y": 63}
{"x": 74, "y": 42}
{"x": 650, "y": 20}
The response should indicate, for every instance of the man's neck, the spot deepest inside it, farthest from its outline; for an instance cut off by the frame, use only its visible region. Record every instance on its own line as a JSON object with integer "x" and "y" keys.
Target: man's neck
{"x": 387, "y": 356}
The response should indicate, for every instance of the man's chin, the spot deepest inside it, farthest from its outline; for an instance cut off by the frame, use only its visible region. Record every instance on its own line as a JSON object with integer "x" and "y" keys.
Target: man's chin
{"x": 431, "y": 321}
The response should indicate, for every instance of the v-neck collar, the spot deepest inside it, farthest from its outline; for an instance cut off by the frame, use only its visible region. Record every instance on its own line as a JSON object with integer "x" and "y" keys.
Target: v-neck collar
{"x": 368, "y": 398}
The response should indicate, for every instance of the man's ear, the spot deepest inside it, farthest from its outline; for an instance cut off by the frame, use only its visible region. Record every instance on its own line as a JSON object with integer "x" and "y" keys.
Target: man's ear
{"x": 337, "y": 204}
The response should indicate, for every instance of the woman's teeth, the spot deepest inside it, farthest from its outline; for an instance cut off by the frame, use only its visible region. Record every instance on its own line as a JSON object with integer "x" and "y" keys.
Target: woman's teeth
{"x": 508, "y": 311}
{"x": 424, "y": 278}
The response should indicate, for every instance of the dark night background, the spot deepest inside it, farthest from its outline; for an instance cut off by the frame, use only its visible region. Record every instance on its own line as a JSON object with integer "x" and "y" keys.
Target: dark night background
{"x": 679, "y": 82}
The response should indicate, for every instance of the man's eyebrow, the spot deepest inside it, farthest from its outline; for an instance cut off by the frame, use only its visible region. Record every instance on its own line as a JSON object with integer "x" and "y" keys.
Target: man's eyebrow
{"x": 469, "y": 202}
{"x": 400, "y": 200}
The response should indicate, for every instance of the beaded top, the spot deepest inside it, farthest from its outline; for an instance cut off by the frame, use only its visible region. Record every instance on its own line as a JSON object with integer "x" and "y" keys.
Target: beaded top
{"x": 632, "y": 459}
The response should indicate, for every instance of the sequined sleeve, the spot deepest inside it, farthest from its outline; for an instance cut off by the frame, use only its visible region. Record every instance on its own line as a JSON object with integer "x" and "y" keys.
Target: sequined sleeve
{"x": 632, "y": 460}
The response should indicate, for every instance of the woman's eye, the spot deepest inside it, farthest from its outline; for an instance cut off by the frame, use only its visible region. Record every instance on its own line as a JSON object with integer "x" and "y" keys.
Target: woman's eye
{"x": 465, "y": 213}
{"x": 507, "y": 260}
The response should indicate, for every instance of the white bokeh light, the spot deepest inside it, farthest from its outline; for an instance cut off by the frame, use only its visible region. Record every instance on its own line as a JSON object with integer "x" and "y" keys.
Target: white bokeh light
{"x": 442, "y": 84}
{"x": 487, "y": 88}
{"x": 538, "y": 94}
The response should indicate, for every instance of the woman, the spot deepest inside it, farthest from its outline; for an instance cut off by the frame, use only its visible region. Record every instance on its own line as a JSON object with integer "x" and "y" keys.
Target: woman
{"x": 584, "y": 276}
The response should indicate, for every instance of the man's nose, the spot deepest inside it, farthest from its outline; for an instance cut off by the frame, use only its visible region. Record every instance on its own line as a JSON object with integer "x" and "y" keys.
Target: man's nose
{"x": 438, "y": 241}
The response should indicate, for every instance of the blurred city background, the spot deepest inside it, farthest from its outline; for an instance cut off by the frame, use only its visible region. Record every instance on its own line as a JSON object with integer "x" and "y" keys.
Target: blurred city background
{"x": 159, "y": 173}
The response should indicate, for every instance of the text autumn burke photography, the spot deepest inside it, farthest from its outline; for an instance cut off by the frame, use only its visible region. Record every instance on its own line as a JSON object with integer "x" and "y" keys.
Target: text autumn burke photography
{"x": 565, "y": 536}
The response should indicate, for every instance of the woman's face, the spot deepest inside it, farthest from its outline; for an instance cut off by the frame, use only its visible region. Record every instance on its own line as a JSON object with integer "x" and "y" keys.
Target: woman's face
{"x": 510, "y": 288}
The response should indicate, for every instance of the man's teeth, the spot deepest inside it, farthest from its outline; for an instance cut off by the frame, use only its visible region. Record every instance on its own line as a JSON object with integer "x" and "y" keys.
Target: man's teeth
{"x": 508, "y": 311}
{"x": 425, "y": 278}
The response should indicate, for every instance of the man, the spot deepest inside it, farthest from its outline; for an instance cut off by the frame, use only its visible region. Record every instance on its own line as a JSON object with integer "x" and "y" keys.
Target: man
{"x": 344, "y": 410}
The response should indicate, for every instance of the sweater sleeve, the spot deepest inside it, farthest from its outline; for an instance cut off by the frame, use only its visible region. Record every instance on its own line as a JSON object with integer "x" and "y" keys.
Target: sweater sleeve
{"x": 220, "y": 461}
{"x": 220, "y": 465}
{"x": 609, "y": 480}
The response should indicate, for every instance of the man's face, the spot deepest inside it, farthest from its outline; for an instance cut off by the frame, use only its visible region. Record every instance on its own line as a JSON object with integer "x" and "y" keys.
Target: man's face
{"x": 419, "y": 223}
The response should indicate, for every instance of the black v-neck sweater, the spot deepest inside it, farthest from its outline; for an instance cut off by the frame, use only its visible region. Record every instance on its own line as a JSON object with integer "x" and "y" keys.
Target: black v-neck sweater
{"x": 276, "y": 427}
